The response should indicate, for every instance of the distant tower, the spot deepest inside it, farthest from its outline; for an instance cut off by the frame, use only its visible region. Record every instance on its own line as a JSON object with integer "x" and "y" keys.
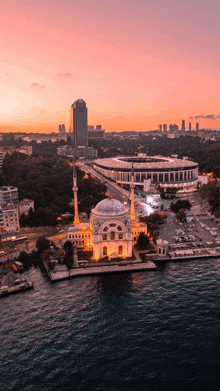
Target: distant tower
{"x": 164, "y": 127}
{"x": 132, "y": 187}
{"x": 183, "y": 125}
{"x": 190, "y": 126}
{"x": 75, "y": 190}
{"x": 62, "y": 129}
{"x": 78, "y": 123}
{"x": 160, "y": 128}
{"x": 197, "y": 126}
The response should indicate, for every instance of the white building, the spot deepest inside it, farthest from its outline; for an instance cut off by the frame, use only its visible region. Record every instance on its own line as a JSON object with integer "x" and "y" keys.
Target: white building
{"x": 80, "y": 235}
{"x": 26, "y": 149}
{"x": 11, "y": 218}
{"x": 1, "y": 159}
{"x": 24, "y": 206}
{"x": 180, "y": 174}
{"x": 8, "y": 195}
{"x": 112, "y": 231}
{"x": 2, "y": 227}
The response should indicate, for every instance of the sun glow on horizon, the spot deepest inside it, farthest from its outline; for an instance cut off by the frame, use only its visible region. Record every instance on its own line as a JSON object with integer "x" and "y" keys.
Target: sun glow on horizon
{"x": 136, "y": 67}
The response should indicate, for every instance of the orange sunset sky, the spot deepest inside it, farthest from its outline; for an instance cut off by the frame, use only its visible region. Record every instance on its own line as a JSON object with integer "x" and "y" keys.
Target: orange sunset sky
{"x": 136, "y": 63}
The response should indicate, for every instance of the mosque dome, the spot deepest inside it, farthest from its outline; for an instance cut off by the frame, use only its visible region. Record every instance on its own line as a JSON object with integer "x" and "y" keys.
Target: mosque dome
{"x": 109, "y": 207}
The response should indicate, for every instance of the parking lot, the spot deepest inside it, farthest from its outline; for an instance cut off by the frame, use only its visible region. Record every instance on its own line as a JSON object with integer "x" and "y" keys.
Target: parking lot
{"x": 199, "y": 233}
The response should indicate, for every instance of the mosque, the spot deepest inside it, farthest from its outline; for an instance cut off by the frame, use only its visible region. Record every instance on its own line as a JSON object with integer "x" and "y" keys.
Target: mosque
{"x": 112, "y": 229}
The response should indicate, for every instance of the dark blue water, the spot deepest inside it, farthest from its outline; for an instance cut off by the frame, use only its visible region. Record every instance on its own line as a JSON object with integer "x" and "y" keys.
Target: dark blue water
{"x": 141, "y": 331}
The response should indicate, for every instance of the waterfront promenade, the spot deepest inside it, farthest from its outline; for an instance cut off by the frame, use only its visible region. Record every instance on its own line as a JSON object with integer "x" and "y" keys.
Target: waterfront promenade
{"x": 61, "y": 272}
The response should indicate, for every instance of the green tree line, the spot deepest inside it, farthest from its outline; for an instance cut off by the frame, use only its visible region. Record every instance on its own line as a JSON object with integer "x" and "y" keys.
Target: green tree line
{"x": 48, "y": 181}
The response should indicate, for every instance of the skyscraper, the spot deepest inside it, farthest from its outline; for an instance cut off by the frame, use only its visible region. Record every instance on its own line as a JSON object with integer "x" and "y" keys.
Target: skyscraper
{"x": 164, "y": 127}
{"x": 197, "y": 126}
{"x": 183, "y": 125}
{"x": 190, "y": 126}
{"x": 62, "y": 129}
{"x": 78, "y": 123}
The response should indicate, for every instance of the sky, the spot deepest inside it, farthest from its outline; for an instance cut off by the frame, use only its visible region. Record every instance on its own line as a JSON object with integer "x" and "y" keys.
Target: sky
{"x": 136, "y": 63}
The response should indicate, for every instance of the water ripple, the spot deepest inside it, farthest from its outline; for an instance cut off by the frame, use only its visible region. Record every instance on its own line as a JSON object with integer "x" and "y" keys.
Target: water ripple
{"x": 122, "y": 332}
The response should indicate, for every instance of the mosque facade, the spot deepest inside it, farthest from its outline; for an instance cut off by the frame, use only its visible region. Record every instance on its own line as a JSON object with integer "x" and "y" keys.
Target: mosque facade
{"x": 111, "y": 231}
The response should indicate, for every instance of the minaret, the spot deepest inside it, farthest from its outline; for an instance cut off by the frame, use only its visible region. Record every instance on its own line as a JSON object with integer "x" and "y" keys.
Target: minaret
{"x": 132, "y": 186}
{"x": 75, "y": 189}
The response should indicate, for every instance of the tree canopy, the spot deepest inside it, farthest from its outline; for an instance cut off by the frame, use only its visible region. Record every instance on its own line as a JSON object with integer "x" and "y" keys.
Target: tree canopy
{"x": 48, "y": 181}
{"x": 180, "y": 204}
{"x": 211, "y": 192}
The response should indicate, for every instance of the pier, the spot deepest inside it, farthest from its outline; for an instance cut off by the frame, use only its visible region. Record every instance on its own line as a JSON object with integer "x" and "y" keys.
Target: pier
{"x": 6, "y": 290}
{"x": 61, "y": 272}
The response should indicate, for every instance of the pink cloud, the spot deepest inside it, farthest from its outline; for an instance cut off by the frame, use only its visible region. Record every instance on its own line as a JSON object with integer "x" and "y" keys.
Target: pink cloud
{"x": 37, "y": 86}
{"x": 64, "y": 75}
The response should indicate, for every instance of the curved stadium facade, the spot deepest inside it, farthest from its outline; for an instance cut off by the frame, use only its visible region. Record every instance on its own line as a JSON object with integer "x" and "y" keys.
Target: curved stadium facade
{"x": 181, "y": 174}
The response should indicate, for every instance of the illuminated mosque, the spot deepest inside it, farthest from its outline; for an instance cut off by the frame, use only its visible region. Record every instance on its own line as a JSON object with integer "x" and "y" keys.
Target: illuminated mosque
{"x": 112, "y": 229}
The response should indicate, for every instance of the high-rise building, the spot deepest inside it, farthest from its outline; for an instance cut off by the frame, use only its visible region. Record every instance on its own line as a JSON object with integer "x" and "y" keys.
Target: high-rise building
{"x": 164, "y": 127}
{"x": 160, "y": 128}
{"x": 62, "y": 129}
{"x": 197, "y": 126}
{"x": 173, "y": 128}
{"x": 78, "y": 124}
{"x": 183, "y": 125}
{"x": 190, "y": 126}
{"x": 97, "y": 133}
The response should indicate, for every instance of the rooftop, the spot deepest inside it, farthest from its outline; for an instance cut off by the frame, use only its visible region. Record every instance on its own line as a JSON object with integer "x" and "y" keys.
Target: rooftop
{"x": 145, "y": 162}
{"x": 109, "y": 207}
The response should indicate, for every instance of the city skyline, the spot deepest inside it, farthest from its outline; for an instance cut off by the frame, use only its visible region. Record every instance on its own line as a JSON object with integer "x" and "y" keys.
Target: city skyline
{"x": 136, "y": 64}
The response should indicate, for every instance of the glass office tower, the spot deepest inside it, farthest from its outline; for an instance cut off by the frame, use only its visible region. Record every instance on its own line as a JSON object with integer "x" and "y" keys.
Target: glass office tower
{"x": 78, "y": 123}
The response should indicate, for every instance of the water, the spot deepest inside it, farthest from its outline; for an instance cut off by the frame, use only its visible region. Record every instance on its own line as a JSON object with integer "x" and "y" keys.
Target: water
{"x": 155, "y": 330}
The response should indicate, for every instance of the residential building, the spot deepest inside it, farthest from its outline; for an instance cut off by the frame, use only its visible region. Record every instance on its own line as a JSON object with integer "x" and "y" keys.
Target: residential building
{"x": 62, "y": 129}
{"x": 2, "y": 228}
{"x": 80, "y": 152}
{"x": 1, "y": 159}
{"x": 8, "y": 195}
{"x": 24, "y": 206}
{"x": 11, "y": 218}
{"x": 26, "y": 149}
{"x": 97, "y": 133}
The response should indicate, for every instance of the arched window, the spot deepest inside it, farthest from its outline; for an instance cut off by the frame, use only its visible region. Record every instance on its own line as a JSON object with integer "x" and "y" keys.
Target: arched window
{"x": 104, "y": 250}
{"x": 112, "y": 235}
{"x": 120, "y": 249}
{"x": 104, "y": 237}
{"x": 105, "y": 229}
{"x": 119, "y": 228}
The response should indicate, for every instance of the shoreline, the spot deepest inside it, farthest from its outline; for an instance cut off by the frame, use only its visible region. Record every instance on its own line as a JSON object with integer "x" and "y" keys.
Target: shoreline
{"x": 24, "y": 286}
{"x": 95, "y": 270}
{"x": 148, "y": 265}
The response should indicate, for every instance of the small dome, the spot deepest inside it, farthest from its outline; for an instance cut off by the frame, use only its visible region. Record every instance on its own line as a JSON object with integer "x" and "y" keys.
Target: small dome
{"x": 109, "y": 207}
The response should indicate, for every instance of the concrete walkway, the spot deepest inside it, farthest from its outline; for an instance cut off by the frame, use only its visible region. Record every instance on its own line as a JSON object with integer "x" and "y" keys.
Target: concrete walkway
{"x": 64, "y": 273}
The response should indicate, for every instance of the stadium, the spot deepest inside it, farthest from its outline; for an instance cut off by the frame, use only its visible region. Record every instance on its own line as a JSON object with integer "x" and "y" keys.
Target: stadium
{"x": 151, "y": 171}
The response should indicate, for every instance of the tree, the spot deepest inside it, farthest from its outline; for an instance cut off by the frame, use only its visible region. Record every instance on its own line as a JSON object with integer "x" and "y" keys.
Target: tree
{"x": 42, "y": 244}
{"x": 143, "y": 241}
{"x": 211, "y": 192}
{"x": 48, "y": 181}
{"x": 181, "y": 216}
{"x": 24, "y": 258}
{"x": 180, "y": 204}
{"x": 68, "y": 258}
